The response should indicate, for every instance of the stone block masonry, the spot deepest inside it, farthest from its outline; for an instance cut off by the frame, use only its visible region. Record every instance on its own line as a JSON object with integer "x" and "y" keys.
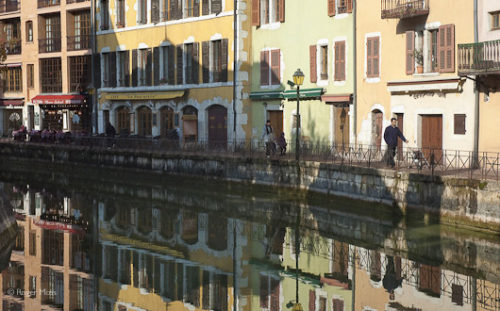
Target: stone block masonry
{"x": 471, "y": 203}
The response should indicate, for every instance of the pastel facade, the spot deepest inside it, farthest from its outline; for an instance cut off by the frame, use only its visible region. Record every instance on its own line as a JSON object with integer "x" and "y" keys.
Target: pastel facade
{"x": 433, "y": 105}
{"x": 168, "y": 65}
{"x": 48, "y": 65}
{"x": 285, "y": 37}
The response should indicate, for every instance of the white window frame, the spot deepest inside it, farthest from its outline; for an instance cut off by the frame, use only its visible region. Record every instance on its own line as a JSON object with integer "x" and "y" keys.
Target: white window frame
{"x": 273, "y": 4}
{"x": 365, "y": 70}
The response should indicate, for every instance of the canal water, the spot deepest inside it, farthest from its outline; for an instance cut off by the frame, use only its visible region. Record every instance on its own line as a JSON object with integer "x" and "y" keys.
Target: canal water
{"x": 131, "y": 242}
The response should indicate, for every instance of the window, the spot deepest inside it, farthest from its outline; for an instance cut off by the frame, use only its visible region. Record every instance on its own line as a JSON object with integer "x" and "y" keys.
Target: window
{"x": 79, "y": 72}
{"x": 324, "y": 62}
{"x": 166, "y": 63}
{"x": 32, "y": 286}
{"x": 344, "y": 6}
{"x": 81, "y": 31}
{"x": 495, "y": 20}
{"x": 143, "y": 12}
{"x": 270, "y": 11}
{"x": 144, "y": 67}
{"x": 31, "y": 75}
{"x": 13, "y": 79}
{"x": 106, "y": 75}
{"x": 123, "y": 68}
{"x": 191, "y": 51}
{"x": 211, "y": 7}
{"x": 338, "y": 305}
{"x": 192, "y": 8}
{"x": 459, "y": 124}
{"x": 104, "y": 15}
{"x": 433, "y": 52}
{"x": 270, "y": 62}
{"x": 269, "y": 293}
{"x": 339, "y": 61}
{"x": 372, "y": 57}
{"x": 52, "y": 42}
{"x": 32, "y": 238}
{"x": 322, "y": 303}
{"x": 219, "y": 60}
{"x": 29, "y": 31}
{"x": 123, "y": 122}
{"x": 120, "y": 13}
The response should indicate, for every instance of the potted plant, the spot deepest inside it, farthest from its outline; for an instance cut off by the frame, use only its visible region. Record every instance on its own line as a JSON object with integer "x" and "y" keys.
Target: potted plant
{"x": 419, "y": 59}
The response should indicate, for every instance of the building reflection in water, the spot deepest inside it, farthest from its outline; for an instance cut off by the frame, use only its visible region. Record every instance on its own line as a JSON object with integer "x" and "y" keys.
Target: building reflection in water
{"x": 161, "y": 255}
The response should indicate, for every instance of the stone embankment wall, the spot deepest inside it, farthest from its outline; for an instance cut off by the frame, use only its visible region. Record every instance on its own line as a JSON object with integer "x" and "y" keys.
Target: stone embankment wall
{"x": 470, "y": 203}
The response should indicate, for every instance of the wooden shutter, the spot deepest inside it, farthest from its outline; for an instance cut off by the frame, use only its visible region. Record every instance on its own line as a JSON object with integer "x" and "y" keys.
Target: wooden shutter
{"x": 446, "y": 48}
{"x": 149, "y": 67}
{"x": 196, "y": 8}
{"x": 112, "y": 69}
{"x": 459, "y": 124}
{"x": 369, "y": 57}
{"x": 376, "y": 57}
{"x": 338, "y": 305}
{"x": 263, "y": 292}
{"x": 180, "y": 68}
{"x": 205, "y": 60}
{"x": 216, "y": 6}
{"x": 134, "y": 67}
{"x": 264, "y": 67}
{"x": 312, "y": 300}
{"x": 349, "y": 10}
{"x": 410, "y": 52}
{"x": 275, "y": 295}
{"x": 224, "y": 54}
{"x": 97, "y": 71}
{"x": 340, "y": 61}
{"x": 173, "y": 10}
{"x": 156, "y": 66}
{"x": 372, "y": 57}
{"x": 205, "y": 8}
{"x": 155, "y": 11}
{"x": 127, "y": 68}
{"x": 196, "y": 63}
{"x": 275, "y": 67}
{"x": 171, "y": 64}
{"x": 312, "y": 63}
{"x": 281, "y": 9}
{"x": 331, "y": 7}
{"x": 256, "y": 13}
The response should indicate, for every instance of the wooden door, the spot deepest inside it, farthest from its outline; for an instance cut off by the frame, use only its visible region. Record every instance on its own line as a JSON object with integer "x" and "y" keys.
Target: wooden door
{"x": 377, "y": 118}
{"x": 432, "y": 137}
{"x": 166, "y": 120}
{"x": 144, "y": 117}
{"x": 217, "y": 126}
{"x": 341, "y": 123}
{"x": 400, "y": 118}
{"x": 276, "y": 118}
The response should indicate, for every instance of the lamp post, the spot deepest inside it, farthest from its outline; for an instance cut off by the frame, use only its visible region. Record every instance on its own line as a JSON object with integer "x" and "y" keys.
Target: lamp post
{"x": 298, "y": 79}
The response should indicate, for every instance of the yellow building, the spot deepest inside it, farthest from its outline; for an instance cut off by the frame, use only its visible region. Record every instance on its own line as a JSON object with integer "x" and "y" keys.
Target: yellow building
{"x": 168, "y": 65}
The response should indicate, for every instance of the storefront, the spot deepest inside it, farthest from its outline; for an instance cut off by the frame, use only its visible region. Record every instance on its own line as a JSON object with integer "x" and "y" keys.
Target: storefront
{"x": 11, "y": 115}
{"x": 68, "y": 113}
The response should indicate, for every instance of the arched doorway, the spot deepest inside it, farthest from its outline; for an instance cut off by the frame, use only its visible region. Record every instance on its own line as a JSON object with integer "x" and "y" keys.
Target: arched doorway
{"x": 190, "y": 124}
{"x": 144, "y": 125}
{"x": 217, "y": 126}
{"x": 13, "y": 119}
{"x": 166, "y": 120}
{"x": 377, "y": 118}
{"x": 123, "y": 120}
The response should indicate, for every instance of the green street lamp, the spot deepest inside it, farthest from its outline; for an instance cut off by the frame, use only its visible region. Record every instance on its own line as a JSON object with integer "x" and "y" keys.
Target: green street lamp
{"x": 298, "y": 79}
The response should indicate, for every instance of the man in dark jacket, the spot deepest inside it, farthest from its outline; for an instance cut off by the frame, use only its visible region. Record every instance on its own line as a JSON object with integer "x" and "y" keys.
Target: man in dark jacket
{"x": 391, "y": 135}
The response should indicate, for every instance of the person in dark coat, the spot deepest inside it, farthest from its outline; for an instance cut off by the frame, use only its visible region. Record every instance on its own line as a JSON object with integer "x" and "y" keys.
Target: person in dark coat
{"x": 282, "y": 144}
{"x": 391, "y": 135}
{"x": 110, "y": 130}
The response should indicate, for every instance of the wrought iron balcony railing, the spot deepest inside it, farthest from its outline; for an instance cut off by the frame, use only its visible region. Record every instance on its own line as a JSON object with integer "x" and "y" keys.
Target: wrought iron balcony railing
{"x": 9, "y": 6}
{"x": 47, "y": 3}
{"x": 404, "y": 8}
{"x": 76, "y": 1}
{"x": 479, "y": 58}
{"x": 12, "y": 47}
{"x": 81, "y": 42}
{"x": 49, "y": 45}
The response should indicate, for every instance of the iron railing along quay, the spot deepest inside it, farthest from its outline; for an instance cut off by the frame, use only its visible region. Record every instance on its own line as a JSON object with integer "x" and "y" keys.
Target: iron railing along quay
{"x": 81, "y": 42}
{"x": 435, "y": 162}
{"x": 479, "y": 58}
{"x": 49, "y": 45}
{"x": 12, "y": 47}
{"x": 47, "y": 3}
{"x": 404, "y": 9}
{"x": 9, "y": 6}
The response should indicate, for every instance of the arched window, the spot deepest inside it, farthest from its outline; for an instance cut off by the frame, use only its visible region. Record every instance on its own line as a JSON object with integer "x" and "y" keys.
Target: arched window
{"x": 190, "y": 124}
{"x": 123, "y": 120}
{"x": 166, "y": 120}
{"x": 144, "y": 125}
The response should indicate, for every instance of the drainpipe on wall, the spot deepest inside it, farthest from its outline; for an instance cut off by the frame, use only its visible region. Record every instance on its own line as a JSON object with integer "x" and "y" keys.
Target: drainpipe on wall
{"x": 476, "y": 93}
{"x": 235, "y": 64}
{"x": 355, "y": 87}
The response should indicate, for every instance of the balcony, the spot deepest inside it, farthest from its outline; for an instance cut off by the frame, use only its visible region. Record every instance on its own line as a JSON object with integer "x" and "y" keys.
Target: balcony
{"x": 49, "y": 45}
{"x": 76, "y": 1}
{"x": 479, "y": 58}
{"x": 404, "y": 8}
{"x": 12, "y": 47}
{"x": 81, "y": 42}
{"x": 9, "y": 6}
{"x": 47, "y": 3}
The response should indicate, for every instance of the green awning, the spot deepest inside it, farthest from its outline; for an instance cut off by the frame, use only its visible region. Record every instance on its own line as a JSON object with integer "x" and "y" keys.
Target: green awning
{"x": 304, "y": 93}
{"x": 278, "y": 94}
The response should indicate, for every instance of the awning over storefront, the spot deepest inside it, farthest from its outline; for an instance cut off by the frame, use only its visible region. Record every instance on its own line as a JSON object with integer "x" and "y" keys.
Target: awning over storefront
{"x": 304, "y": 93}
{"x": 143, "y": 95}
{"x": 58, "y": 226}
{"x": 59, "y": 101}
{"x": 266, "y": 95}
{"x": 336, "y": 98}
{"x": 11, "y": 102}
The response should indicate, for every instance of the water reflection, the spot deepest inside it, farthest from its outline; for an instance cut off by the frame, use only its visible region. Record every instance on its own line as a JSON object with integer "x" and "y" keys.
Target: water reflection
{"x": 166, "y": 247}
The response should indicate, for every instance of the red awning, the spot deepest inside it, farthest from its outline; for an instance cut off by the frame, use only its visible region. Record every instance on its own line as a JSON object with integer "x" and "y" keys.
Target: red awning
{"x": 58, "y": 226}
{"x": 340, "y": 98}
{"x": 58, "y": 99}
{"x": 12, "y": 102}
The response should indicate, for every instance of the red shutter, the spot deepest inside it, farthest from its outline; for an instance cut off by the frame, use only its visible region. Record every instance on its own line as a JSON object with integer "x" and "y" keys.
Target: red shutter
{"x": 338, "y": 305}
{"x": 339, "y": 61}
{"x": 349, "y": 6}
{"x": 264, "y": 68}
{"x": 282, "y": 11}
{"x": 410, "y": 50}
{"x": 331, "y": 7}
{"x": 312, "y": 300}
{"x": 446, "y": 48}
{"x": 312, "y": 61}
{"x": 275, "y": 67}
{"x": 255, "y": 12}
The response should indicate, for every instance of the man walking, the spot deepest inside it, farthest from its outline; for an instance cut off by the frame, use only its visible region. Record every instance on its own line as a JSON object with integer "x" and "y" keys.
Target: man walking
{"x": 391, "y": 135}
